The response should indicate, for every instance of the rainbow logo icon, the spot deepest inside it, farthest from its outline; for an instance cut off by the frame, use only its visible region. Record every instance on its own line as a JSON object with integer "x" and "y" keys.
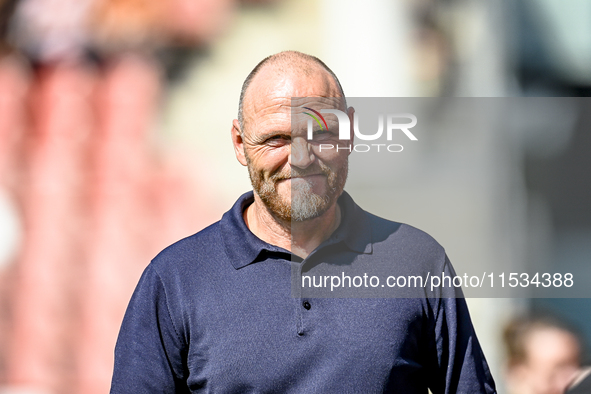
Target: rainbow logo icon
{"x": 316, "y": 119}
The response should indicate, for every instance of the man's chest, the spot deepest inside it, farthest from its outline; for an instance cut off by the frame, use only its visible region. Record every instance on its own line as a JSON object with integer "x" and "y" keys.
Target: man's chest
{"x": 253, "y": 336}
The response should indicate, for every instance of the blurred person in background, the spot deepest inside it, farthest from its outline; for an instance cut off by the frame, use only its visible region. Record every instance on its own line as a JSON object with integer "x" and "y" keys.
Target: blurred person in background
{"x": 543, "y": 355}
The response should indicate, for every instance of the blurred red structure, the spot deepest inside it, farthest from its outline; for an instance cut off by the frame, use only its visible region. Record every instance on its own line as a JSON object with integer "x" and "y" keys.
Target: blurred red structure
{"x": 97, "y": 202}
{"x": 96, "y": 199}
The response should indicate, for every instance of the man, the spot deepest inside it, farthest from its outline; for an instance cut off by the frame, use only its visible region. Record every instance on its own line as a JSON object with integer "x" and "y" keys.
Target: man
{"x": 214, "y": 312}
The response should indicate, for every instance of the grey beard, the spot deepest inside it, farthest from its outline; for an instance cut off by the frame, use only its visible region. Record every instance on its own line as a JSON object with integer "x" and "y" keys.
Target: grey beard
{"x": 302, "y": 204}
{"x": 306, "y": 205}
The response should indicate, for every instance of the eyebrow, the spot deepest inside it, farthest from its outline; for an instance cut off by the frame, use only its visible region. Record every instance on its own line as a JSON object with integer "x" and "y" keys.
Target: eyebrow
{"x": 263, "y": 137}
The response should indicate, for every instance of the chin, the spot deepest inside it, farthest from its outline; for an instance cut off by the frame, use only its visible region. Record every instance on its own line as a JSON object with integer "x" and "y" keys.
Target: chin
{"x": 307, "y": 206}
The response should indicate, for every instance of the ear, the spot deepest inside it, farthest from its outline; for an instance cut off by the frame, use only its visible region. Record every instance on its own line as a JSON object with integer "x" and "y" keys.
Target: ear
{"x": 238, "y": 142}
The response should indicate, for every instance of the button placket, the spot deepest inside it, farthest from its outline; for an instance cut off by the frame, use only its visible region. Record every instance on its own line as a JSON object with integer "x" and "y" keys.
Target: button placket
{"x": 296, "y": 273}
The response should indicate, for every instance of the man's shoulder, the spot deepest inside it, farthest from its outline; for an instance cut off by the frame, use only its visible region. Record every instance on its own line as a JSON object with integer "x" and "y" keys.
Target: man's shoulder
{"x": 392, "y": 234}
{"x": 385, "y": 233}
{"x": 185, "y": 253}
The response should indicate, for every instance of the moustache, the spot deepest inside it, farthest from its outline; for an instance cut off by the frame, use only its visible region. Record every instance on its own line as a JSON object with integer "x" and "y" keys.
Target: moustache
{"x": 295, "y": 172}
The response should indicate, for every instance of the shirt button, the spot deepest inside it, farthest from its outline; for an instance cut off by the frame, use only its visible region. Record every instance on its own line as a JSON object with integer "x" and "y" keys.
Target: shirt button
{"x": 307, "y": 305}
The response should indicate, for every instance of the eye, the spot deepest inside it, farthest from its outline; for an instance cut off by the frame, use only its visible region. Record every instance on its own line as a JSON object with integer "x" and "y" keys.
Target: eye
{"x": 323, "y": 135}
{"x": 278, "y": 139}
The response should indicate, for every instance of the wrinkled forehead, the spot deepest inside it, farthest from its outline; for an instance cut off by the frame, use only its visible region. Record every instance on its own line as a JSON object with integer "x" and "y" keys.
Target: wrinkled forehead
{"x": 272, "y": 92}
{"x": 301, "y": 104}
{"x": 298, "y": 105}
{"x": 313, "y": 110}
{"x": 291, "y": 115}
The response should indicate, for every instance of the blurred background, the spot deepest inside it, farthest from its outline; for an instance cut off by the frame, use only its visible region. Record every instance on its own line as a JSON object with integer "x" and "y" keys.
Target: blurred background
{"x": 115, "y": 120}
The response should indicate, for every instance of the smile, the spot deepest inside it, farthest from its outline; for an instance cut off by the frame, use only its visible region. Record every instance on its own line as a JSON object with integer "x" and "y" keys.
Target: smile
{"x": 305, "y": 178}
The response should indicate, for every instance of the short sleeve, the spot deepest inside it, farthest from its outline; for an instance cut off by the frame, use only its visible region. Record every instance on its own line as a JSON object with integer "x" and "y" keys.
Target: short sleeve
{"x": 459, "y": 363}
{"x": 150, "y": 353}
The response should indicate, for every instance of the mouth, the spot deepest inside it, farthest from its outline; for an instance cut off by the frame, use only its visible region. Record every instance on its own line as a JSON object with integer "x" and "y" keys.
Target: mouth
{"x": 313, "y": 180}
{"x": 304, "y": 177}
{"x": 307, "y": 176}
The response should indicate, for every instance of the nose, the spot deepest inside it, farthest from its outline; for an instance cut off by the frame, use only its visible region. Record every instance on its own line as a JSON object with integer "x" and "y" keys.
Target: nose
{"x": 301, "y": 155}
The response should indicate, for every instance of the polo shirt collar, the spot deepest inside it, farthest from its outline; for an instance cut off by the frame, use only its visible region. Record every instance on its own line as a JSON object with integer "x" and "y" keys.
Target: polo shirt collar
{"x": 243, "y": 247}
{"x": 355, "y": 228}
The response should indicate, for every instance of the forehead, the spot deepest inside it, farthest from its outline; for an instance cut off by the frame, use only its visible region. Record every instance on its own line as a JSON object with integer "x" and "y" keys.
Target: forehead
{"x": 270, "y": 95}
{"x": 551, "y": 343}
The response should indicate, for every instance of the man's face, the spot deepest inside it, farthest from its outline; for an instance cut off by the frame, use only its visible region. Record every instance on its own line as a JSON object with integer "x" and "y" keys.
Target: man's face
{"x": 292, "y": 177}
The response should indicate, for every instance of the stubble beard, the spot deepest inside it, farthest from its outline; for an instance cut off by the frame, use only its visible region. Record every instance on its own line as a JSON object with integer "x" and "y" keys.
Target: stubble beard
{"x": 302, "y": 204}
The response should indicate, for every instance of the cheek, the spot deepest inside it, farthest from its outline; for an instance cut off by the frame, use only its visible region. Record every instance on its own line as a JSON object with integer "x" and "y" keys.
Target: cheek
{"x": 283, "y": 189}
{"x": 336, "y": 162}
{"x": 269, "y": 159}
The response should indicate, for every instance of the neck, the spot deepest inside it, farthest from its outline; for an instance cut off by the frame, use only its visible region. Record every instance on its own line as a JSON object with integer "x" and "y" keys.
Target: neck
{"x": 300, "y": 238}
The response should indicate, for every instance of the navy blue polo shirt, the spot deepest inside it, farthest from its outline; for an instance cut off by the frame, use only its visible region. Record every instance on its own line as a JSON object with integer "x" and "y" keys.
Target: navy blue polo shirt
{"x": 217, "y": 313}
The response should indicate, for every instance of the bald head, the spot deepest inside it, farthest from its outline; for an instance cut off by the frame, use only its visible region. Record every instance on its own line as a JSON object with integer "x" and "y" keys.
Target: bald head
{"x": 286, "y": 63}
